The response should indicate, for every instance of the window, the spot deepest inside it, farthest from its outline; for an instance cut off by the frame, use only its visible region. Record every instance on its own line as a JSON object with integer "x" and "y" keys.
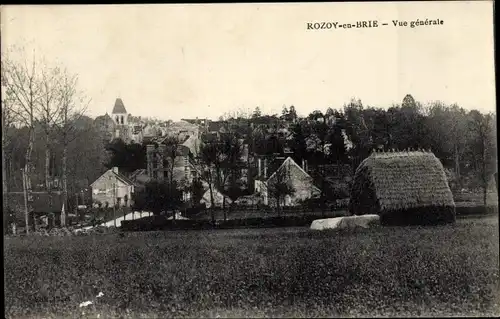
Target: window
{"x": 97, "y": 191}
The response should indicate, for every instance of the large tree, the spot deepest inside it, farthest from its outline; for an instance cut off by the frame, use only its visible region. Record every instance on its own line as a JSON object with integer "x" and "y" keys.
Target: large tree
{"x": 73, "y": 105}
{"x": 21, "y": 84}
{"x": 7, "y": 120}
{"x": 230, "y": 165}
{"x": 127, "y": 157}
{"x": 171, "y": 153}
{"x": 257, "y": 113}
{"x": 280, "y": 186}
{"x": 209, "y": 153}
{"x": 448, "y": 132}
{"x": 482, "y": 148}
{"x": 157, "y": 197}
{"x": 49, "y": 114}
{"x": 222, "y": 160}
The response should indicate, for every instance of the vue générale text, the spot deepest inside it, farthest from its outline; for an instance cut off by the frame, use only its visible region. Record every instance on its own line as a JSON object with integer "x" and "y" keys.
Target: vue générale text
{"x": 328, "y": 25}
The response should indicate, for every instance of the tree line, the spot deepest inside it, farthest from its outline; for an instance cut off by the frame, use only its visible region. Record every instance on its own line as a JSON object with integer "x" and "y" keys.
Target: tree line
{"x": 43, "y": 124}
{"x": 46, "y": 134}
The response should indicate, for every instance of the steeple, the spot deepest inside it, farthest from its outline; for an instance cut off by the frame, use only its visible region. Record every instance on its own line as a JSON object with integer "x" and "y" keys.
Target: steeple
{"x": 119, "y": 108}
{"x": 119, "y": 113}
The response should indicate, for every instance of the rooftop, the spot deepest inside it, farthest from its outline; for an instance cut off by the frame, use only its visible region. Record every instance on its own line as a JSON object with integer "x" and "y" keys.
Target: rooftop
{"x": 119, "y": 108}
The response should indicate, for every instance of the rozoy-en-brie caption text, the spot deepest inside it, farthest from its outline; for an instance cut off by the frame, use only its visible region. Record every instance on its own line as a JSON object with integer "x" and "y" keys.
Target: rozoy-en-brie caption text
{"x": 332, "y": 25}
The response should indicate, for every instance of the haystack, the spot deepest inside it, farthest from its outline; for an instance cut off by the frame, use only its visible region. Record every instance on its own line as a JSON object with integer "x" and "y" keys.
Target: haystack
{"x": 403, "y": 188}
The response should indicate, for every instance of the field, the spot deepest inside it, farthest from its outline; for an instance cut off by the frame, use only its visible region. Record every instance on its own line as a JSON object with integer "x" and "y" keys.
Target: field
{"x": 286, "y": 272}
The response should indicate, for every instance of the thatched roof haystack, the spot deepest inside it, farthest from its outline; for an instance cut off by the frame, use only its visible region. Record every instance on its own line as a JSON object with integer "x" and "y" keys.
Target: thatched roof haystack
{"x": 403, "y": 188}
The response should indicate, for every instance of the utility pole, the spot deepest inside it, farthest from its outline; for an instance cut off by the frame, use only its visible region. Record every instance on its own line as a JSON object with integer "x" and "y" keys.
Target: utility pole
{"x": 114, "y": 203}
{"x": 5, "y": 183}
{"x": 114, "y": 200}
{"x": 26, "y": 212}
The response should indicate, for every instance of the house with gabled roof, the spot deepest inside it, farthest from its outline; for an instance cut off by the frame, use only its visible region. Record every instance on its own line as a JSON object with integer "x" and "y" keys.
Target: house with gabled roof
{"x": 284, "y": 170}
{"x": 140, "y": 178}
{"x": 217, "y": 127}
{"x": 113, "y": 189}
{"x": 43, "y": 204}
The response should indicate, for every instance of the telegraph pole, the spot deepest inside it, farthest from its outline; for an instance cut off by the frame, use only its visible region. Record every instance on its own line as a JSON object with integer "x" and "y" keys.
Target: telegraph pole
{"x": 114, "y": 203}
{"x": 26, "y": 212}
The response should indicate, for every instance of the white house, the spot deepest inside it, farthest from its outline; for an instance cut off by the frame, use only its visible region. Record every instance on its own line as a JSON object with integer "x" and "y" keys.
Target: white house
{"x": 287, "y": 172}
{"x": 113, "y": 188}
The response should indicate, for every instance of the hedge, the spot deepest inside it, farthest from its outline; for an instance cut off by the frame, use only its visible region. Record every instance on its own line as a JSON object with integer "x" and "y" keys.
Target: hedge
{"x": 162, "y": 223}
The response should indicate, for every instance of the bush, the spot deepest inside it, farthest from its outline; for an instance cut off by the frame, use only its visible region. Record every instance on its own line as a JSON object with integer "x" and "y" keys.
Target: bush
{"x": 434, "y": 215}
{"x": 476, "y": 210}
{"x": 162, "y": 223}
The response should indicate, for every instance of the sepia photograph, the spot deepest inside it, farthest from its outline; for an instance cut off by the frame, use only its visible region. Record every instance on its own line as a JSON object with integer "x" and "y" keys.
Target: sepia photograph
{"x": 250, "y": 160}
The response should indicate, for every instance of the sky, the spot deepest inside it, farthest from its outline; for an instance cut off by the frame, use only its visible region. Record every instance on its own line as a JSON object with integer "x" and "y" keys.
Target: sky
{"x": 188, "y": 61}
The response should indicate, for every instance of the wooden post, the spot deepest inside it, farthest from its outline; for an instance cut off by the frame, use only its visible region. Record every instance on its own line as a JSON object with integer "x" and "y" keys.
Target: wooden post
{"x": 26, "y": 212}
{"x": 4, "y": 166}
{"x": 114, "y": 203}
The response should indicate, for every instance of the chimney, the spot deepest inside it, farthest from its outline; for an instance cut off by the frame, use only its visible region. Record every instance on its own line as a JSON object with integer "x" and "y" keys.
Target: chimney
{"x": 115, "y": 170}
{"x": 303, "y": 165}
{"x": 259, "y": 165}
{"x": 265, "y": 168}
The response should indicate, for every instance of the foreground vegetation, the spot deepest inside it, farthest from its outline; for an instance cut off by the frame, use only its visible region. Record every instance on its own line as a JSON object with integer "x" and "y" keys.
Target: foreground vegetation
{"x": 290, "y": 272}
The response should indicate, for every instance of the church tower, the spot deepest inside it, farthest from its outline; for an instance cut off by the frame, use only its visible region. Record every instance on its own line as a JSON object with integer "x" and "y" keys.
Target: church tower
{"x": 119, "y": 114}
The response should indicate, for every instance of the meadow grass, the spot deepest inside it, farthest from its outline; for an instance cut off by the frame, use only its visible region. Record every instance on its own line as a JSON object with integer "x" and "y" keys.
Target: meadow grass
{"x": 285, "y": 272}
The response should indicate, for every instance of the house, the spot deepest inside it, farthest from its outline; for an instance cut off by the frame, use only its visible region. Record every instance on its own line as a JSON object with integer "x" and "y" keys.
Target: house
{"x": 192, "y": 142}
{"x": 158, "y": 164}
{"x": 137, "y": 134}
{"x": 43, "y": 204}
{"x": 150, "y": 130}
{"x": 196, "y": 121}
{"x": 182, "y": 130}
{"x": 403, "y": 188}
{"x": 113, "y": 188}
{"x": 217, "y": 127}
{"x": 284, "y": 171}
{"x": 140, "y": 178}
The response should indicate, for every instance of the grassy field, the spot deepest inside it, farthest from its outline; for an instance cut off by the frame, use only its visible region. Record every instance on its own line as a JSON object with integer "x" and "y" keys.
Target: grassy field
{"x": 286, "y": 272}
